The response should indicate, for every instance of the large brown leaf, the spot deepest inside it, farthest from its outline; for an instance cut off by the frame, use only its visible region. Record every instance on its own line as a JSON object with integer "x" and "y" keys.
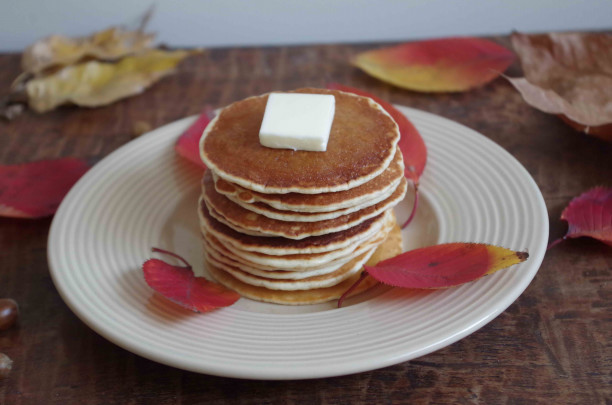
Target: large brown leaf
{"x": 569, "y": 74}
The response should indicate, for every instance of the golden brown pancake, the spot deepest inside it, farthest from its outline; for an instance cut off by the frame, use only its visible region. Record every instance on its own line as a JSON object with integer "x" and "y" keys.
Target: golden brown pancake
{"x": 266, "y": 263}
{"x": 361, "y": 145}
{"x": 301, "y": 263}
{"x": 319, "y": 281}
{"x": 318, "y": 203}
{"x": 299, "y": 297}
{"x": 282, "y": 246}
{"x": 244, "y": 221}
{"x": 290, "y": 216}
{"x": 270, "y": 272}
{"x": 389, "y": 248}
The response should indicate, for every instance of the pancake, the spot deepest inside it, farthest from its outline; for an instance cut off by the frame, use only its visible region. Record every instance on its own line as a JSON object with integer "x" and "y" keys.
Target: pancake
{"x": 290, "y": 216}
{"x": 389, "y": 248}
{"x": 209, "y": 250}
{"x": 291, "y": 262}
{"x": 361, "y": 146}
{"x": 299, "y": 297}
{"x": 368, "y": 193}
{"x": 319, "y": 263}
{"x": 298, "y": 262}
{"x": 277, "y": 246}
{"x": 216, "y": 248}
{"x": 244, "y": 221}
{"x": 320, "y": 281}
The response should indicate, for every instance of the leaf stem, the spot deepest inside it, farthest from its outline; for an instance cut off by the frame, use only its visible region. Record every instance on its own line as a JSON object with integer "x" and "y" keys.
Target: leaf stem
{"x": 555, "y": 243}
{"x": 414, "y": 205}
{"x": 363, "y": 275}
{"x": 158, "y": 250}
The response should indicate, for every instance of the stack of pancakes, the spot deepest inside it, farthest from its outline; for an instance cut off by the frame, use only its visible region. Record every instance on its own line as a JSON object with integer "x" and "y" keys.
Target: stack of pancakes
{"x": 296, "y": 227}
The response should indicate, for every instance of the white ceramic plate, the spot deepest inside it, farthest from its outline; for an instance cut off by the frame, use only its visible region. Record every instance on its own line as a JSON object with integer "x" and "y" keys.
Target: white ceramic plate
{"x": 144, "y": 195}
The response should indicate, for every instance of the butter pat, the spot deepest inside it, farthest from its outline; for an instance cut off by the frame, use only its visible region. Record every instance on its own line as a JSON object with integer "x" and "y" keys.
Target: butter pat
{"x": 297, "y": 121}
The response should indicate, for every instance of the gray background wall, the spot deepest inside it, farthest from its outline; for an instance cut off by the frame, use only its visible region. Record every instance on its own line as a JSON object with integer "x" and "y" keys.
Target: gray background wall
{"x": 262, "y": 22}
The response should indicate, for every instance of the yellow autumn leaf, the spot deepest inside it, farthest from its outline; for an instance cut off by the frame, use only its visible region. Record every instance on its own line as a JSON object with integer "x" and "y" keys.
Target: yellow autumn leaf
{"x": 93, "y": 84}
{"x": 500, "y": 258}
{"x": 109, "y": 44}
{"x": 437, "y": 65}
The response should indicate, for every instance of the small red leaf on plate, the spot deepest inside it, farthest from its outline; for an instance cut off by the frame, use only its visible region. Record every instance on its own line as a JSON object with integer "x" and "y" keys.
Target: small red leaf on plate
{"x": 411, "y": 143}
{"x": 35, "y": 189}
{"x": 188, "y": 145}
{"x": 444, "y": 265}
{"x": 181, "y": 286}
{"x": 438, "y": 65}
{"x": 589, "y": 214}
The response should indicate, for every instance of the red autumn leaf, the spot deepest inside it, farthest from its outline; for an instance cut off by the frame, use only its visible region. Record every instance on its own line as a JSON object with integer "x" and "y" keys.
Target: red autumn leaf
{"x": 411, "y": 143}
{"x": 438, "y": 65}
{"x": 444, "y": 265}
{"x": 35, "y": 189}
{"x": 589, "y": 214}
{"x": 181, "y": 286}
{"x": 188, "y": 145}
{"x": 440, "y": 266}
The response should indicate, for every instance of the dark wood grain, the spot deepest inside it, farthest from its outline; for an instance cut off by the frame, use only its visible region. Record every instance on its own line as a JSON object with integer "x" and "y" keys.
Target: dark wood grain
{"x": 553, "y": 345}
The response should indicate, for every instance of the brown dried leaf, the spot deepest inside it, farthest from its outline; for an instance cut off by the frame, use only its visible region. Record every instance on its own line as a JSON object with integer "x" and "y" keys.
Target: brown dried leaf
{"x": 568, "y": 74}
{"x": 109, "y": 44}
{"x": 93, "y": 84}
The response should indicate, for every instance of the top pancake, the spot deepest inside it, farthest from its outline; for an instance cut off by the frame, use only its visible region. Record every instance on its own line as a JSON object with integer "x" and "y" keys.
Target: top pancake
{"x": 361, "y": 145}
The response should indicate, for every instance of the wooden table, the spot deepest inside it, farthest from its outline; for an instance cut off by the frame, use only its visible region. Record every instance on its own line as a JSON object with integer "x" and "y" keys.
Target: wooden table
{"x": 553, "y": 345}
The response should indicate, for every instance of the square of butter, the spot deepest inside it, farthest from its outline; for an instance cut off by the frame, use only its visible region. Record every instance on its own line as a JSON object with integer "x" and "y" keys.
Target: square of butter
{"x": 297, "y": 121}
